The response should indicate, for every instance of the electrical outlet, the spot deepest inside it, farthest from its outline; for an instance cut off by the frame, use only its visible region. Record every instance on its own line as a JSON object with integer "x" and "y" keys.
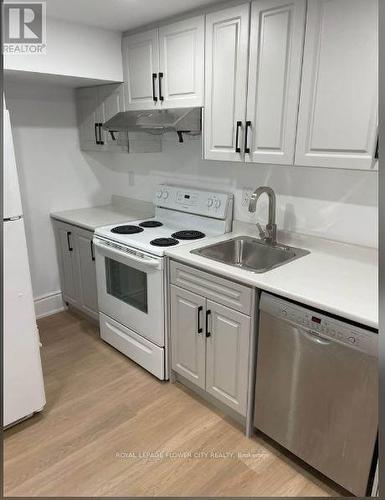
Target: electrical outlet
{"x": 246, "y": 195}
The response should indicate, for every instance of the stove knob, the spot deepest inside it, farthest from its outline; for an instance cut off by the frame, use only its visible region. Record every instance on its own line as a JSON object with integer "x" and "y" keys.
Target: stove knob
{"x": 217, "y": 203}
{"x": 210, "y": 202}
{"x": 159, "y": 194}
{"x": 165, "y": 195}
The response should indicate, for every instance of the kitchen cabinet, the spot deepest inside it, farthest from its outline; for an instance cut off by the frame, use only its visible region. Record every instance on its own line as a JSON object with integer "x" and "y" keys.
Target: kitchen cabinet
{"x": 337, "y": 124}
{"x": 86, "y": 254}
{"x": 276, "y": 41}
{"x": 210, "y": 341}
{"x": 188, "y": 311}
{"x": 77, "y": 267}
{"x": 140, "y": 69}
{"x": 227, "y": 35}
{"x": 266, "y": 60}
{"x": 69, "y": 265}
{"x": 95, "y": 105}
{"x": 89, "y": 117}
{"x": 227, "y": 356}
{"x": 164, "y": 68}
{"x": 312, "y": 93}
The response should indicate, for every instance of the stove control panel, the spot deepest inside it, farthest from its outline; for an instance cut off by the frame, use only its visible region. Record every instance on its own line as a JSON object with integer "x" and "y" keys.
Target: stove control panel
{"x": 195, "y": 201}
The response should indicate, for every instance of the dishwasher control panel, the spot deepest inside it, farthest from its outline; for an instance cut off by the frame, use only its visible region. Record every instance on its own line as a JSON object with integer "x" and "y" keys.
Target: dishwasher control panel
{"x": 321, "y": 324}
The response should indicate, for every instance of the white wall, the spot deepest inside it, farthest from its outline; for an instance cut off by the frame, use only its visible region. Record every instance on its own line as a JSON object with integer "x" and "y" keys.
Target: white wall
{"x": 336, "y": 204}
{"x": 74, "y": 50}
{"x": 54, "y": 174}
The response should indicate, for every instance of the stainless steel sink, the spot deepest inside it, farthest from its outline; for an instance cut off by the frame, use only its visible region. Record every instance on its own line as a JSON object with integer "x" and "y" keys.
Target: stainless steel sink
{"x": 250, "y": 253}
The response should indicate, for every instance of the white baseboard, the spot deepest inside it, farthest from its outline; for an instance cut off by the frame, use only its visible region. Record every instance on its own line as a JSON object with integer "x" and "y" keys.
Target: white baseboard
{"x": 47, "y": 305}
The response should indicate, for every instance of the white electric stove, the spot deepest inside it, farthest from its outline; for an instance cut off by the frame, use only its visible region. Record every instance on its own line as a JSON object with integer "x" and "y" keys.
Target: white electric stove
{"x": 131, "y": 272}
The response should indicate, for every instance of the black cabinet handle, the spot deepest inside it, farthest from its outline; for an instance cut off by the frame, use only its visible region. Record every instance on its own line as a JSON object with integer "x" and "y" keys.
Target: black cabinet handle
{"x": 101, "y": 142}
{"x": 237, "y": 148}
{"x": 377, "y": 149}
{"x": 208, "y": 333}
{"x": 68, "y": 241}
{"x": 92, "y": 250}
{"x": 248, "y": 125}
{"x": 96, "y": 133}
{"x": 161, "y": 98}
{"x": 200, "y": 329}
{"x": 154, "y": 77}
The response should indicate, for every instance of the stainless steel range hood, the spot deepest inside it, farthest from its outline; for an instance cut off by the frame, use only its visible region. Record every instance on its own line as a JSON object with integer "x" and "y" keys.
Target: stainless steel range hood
{"x": 179, "y": 120}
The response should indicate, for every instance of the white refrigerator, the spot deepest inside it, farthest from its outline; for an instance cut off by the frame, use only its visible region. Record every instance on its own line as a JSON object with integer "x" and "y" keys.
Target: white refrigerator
{"x": 23, "y": 376}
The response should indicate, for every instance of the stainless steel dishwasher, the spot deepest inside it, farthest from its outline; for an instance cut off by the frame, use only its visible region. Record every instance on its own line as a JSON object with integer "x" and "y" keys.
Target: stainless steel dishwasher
{"x": 316, "y": 390}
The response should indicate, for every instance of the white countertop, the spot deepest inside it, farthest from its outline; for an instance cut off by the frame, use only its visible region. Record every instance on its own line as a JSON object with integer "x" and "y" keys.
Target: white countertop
{"x": 119, "y": 211}
{"x": 335, "y": 277}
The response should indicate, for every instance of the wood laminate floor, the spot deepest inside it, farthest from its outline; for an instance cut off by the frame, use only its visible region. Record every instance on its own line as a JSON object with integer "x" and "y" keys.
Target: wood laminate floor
{"x": 111, "y": 429}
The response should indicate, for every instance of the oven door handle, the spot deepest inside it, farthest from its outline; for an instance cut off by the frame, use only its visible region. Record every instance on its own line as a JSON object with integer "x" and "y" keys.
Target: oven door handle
{"x": 149, "y": 262}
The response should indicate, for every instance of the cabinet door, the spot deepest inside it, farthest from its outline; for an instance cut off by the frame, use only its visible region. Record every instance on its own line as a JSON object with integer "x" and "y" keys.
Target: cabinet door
{"x": 69, "y": 269}
{"x": 88, "y": 111}
{"x": 111, "y": 102}
{"x": 181, "y": 61}
{"x": 227, "y": 358}
{"x": 276, "y": 43}
{"x": 227, "y": 37}
{"x": 140, "y": 63}
{"x": 188, "y": 343}
{"x": 89, "y": 296}
{"x": 337, "y": 124}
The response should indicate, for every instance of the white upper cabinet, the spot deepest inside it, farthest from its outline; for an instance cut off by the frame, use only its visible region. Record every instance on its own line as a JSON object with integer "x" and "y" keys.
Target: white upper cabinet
{"x": 337, "y": 124}
{"x": 111, "y": 99}
{"x": 181, "y": 63}
{"x": 140, "y": 69}
{"x": 276, "y": 44}
{"x": 96, "y": 105}
{"x": 89, "y": 117}
{"x": 227, "y": 38}
{"x": 164, "y": 68}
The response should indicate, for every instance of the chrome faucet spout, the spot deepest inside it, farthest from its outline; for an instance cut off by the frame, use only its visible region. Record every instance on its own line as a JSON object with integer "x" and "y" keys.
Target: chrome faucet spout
{"x": 270, "y": 235}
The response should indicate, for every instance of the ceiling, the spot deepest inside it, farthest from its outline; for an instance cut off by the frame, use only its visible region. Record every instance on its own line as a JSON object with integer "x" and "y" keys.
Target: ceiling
{"x": 120, "y": 15}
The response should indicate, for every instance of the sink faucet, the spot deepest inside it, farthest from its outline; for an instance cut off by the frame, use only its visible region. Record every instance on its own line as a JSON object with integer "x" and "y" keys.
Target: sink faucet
{"x": 270, "y": 233}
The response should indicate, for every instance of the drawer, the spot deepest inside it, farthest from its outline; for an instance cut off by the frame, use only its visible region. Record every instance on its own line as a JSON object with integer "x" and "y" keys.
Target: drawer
{"x": 135, "y": 347}
{"x": 222, "y": 291}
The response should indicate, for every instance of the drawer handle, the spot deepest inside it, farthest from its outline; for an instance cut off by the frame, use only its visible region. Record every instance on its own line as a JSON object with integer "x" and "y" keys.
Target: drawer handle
{"x": 154, "y": 77}
{"x": 248, "y": 125}
{"x": 101, "y": 142}
{"x": 70, "y": 248}
{"x": 200, "y": 329}
{"x": 237, "y": 148}
{"x": 92, "y": 250}
{"x": 208, "y": 314}
{"x": 161, "y": 98}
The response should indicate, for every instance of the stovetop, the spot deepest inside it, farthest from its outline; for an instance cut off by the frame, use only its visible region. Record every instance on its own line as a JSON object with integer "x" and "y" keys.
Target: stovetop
{"x": 182, "y": 215}
{"x": 152, "y": 235}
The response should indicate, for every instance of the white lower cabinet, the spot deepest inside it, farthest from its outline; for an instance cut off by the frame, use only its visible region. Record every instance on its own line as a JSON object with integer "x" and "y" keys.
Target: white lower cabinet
{"x": 77, "y": 267}
{"x": 210, "y": 342}
{"x": 68, "y": 260}
{"x": 87, "y": 272}
{"x": 188, "y": 342}
{"x": 227, "y": 355}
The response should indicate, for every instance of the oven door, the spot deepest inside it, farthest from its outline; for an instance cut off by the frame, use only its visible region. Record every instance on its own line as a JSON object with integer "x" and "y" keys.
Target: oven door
{"x": 130, "y": 289}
